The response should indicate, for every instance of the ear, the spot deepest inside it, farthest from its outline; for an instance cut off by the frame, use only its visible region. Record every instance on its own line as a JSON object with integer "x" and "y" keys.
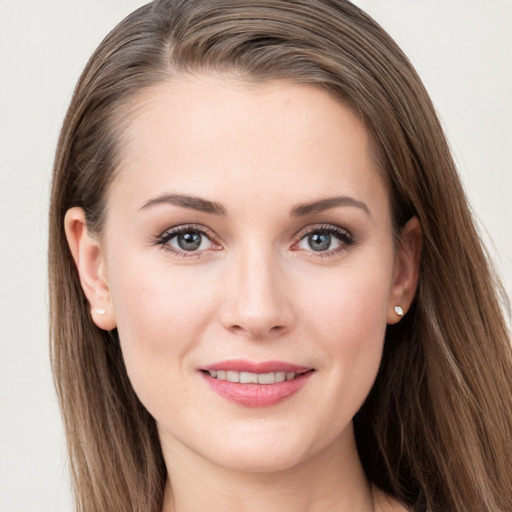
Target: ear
{"x": 90, "y": 263}
{"x": 406, "y": 270}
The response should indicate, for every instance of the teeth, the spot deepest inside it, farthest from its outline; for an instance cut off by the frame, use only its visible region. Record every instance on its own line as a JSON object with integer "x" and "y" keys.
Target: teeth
{"x": 281, "y": 376}
{"x": 251, "y": 378}
{"x": 248, "y": 378}
{"x": 232, "y": 376}
{"x": 266, "y": 378}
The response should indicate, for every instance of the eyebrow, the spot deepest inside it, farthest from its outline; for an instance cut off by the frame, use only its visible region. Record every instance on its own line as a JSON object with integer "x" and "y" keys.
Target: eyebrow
{"x": 194, "y": 203}
{"x": 300, "y": 210}
{"x": 212, "y": 207}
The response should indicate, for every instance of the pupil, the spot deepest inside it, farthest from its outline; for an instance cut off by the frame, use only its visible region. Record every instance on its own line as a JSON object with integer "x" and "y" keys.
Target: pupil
{"x": 189, "y": 241}
{"x": 319, "y": 241}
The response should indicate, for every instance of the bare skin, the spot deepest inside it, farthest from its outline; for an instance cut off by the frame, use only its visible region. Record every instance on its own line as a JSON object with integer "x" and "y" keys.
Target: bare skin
{"x": 268, "y": 494}
{"x": 279, "y": 269}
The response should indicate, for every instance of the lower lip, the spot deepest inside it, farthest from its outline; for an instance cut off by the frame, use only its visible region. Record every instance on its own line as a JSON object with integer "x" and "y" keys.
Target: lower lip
{"x": 257, "y": 395}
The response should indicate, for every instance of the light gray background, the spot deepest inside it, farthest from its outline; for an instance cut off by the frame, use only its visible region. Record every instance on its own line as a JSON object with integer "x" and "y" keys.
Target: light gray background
{"x": 461, "y": 48}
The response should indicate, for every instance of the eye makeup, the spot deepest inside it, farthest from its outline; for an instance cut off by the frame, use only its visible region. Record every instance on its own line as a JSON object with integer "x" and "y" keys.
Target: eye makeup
{"x": 323, "y": 240}
{"x": 196, "y": 240}
{"x": 188, "y": 240}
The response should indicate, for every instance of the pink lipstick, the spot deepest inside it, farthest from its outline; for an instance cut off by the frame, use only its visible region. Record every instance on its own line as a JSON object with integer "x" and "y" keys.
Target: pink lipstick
{"x": 255, "y": 384}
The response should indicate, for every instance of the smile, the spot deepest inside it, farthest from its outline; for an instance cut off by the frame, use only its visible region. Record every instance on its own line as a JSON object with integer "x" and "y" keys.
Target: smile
{"x": 256, "y": 384}
{"x": 252, "y": 378}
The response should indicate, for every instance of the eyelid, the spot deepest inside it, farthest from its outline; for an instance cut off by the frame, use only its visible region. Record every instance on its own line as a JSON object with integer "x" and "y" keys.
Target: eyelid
{"x": 343, "y": 234}
{"x": 181, "y": 228}
{"x": 331, "y": 228}
{"x": 170, "y": 233}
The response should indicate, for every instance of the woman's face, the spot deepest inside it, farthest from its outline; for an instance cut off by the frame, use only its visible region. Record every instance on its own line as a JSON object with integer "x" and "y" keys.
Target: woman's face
{"x": 249, "y": 233}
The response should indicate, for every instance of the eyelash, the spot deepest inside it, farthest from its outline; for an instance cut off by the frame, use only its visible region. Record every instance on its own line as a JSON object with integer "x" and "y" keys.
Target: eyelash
{"x": 163, "y": 240}
{"x": 345, "y": 237}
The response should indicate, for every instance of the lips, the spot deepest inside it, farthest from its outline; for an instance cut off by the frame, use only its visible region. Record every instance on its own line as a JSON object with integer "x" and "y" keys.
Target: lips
{"x": 256, "y": 384}
{"x": 241, "y": 365}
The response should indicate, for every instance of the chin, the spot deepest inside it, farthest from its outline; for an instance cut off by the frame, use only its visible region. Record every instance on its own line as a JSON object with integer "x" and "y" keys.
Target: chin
{"x": 260, "y": 460}
{"x": 279, "y": 450}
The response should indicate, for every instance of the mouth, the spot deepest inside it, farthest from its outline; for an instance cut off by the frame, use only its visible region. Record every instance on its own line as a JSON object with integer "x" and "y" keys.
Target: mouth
{"x": 256, "y": 384}
{"x": 254, "y": 378}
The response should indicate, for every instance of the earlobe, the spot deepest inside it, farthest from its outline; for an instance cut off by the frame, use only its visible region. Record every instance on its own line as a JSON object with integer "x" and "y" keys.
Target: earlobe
{"x": 90, "y": 263}
{"x": 406, "y": 271}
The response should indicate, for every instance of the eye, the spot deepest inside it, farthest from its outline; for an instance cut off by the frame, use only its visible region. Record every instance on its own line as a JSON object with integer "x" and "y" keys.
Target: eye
{"x": 325, "y": 239}
{"x": 187, "y": 240}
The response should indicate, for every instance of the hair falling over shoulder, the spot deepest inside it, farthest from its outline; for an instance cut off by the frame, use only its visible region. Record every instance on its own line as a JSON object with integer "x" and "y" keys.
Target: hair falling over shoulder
{"x": 436, "y": 430}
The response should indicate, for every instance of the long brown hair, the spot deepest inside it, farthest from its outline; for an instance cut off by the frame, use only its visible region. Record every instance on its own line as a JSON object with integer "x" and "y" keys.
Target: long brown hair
{"x": 436, "y": 429}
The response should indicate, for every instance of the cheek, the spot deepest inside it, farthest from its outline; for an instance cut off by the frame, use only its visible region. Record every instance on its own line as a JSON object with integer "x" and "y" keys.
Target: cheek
{"x": 357, "y": 336}
{"x": 160, "y": 300}
{"x": 160, "y": 313}
{"x": 348, "y": 320}
{"x": 349, "y": 306}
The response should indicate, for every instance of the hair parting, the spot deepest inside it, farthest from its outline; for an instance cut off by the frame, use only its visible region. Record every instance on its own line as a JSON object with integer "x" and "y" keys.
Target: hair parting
{"x": 435, "y": 430}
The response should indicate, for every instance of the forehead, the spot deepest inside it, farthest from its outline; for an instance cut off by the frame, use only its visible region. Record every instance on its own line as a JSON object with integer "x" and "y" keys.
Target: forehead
{"x": 273, "y": 139}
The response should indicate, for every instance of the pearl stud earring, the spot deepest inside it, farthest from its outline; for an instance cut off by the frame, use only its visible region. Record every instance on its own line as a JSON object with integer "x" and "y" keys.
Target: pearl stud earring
{"x": 399, "y": 311}
{"x": 101, "y": 311}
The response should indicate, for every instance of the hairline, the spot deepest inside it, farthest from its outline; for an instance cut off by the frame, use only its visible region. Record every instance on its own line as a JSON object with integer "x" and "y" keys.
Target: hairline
{"x": 132, "y": 105}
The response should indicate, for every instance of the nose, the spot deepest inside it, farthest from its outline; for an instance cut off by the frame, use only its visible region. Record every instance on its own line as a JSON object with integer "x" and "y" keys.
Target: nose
{"x": 257, "y": 302}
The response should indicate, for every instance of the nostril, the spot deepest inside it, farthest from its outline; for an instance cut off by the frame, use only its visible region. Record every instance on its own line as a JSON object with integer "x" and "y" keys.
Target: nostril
{"x": 254, "y": 331}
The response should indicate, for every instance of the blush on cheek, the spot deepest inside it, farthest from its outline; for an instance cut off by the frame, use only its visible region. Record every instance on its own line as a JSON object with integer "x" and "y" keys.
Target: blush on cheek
{"x": 352, "y": 323}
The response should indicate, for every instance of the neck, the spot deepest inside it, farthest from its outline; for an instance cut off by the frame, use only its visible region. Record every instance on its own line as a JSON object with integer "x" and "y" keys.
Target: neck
{"x": 331, "y": 480}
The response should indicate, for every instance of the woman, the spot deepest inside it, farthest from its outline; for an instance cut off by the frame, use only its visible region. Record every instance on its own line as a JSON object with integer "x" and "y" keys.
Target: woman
{"x": 257, "y": 300}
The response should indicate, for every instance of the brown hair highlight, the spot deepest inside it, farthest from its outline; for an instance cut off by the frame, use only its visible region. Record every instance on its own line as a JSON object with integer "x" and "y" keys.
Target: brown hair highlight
{"x": 435, "y": 431}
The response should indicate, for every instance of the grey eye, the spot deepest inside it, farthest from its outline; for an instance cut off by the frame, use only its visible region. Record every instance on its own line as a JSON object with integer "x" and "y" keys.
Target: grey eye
{"x": 325, "y": 239}
{"x": 319, "y": 241}
{"x": 190, "y": 241}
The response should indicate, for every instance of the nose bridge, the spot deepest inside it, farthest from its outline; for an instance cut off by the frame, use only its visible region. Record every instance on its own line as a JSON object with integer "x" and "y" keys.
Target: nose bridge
{"x": 258, "y": 303}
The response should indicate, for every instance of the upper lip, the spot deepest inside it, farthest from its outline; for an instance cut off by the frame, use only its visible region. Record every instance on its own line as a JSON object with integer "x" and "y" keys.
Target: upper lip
{"x": 241, "y": 365}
